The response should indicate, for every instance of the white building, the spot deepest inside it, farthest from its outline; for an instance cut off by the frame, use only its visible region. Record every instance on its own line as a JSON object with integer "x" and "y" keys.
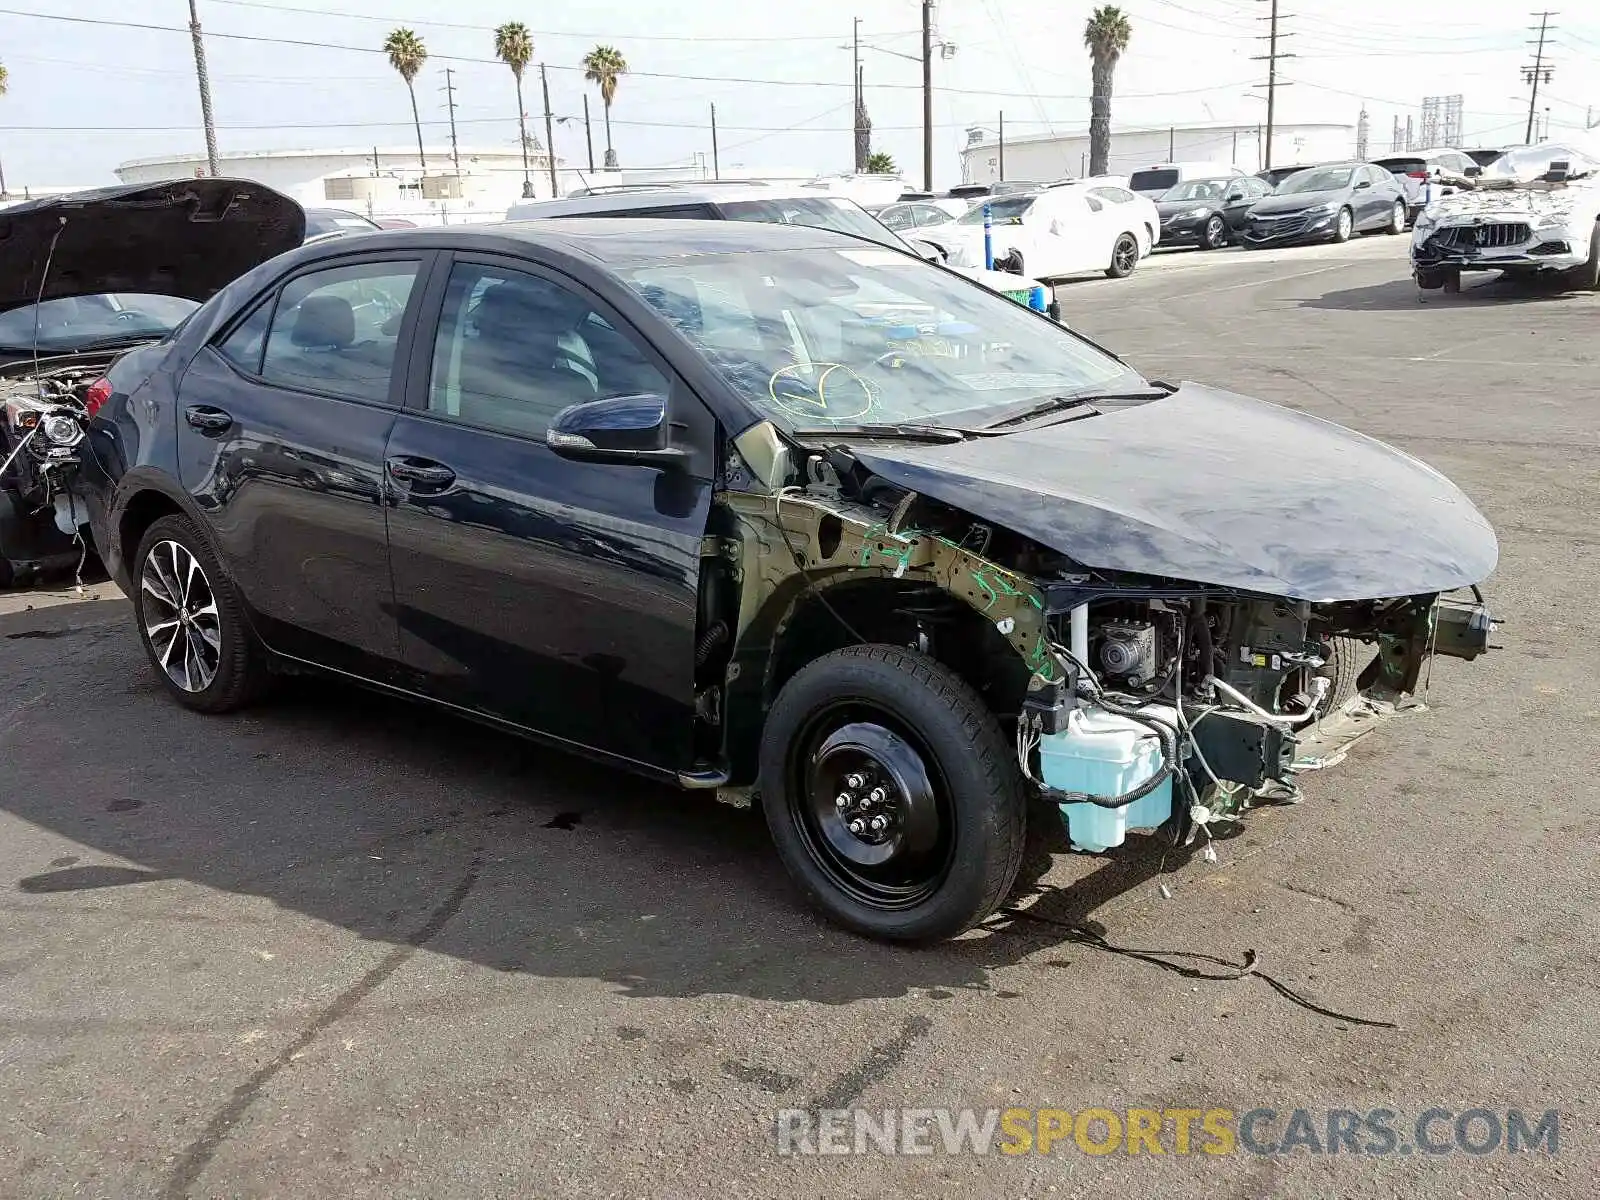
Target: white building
{"x": 1048, "y": 157}
{"x": 378, "y": 181}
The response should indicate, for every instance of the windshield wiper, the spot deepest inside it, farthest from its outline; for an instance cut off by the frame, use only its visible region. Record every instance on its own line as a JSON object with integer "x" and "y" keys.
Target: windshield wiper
{"x": 120, "y": 339}
{"x": 910, "y": 433}
{"x": 1076, "y": 400}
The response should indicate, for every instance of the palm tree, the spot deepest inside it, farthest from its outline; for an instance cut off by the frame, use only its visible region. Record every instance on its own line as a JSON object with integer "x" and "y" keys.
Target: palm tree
{"x": 1106, "y": 37}
{"x": 880, "y": 162}
{"x": 406, "y": 55}
{"x": 605, "y": 66}
{"x": 513, "y": 45}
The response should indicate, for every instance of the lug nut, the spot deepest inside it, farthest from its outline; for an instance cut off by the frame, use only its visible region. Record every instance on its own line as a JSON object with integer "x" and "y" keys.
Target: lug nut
{"x": 858, "y": 827}
{"x": 842, "y": 801}
{"x": 853, "y": 781}
{"x": 879, "y": 824}
{"x": 877, "y": 795}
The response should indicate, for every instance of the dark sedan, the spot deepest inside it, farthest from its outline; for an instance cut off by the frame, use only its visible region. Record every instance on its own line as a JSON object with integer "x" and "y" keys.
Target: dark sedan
{"x": 1329, "y": 203}
{"x": 768, "y": 508}
{"x": 1207, "y": 212}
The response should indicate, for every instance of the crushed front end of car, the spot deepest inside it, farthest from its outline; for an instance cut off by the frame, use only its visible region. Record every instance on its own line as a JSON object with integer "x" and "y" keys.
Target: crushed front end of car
{"x": 1165, "y": 651}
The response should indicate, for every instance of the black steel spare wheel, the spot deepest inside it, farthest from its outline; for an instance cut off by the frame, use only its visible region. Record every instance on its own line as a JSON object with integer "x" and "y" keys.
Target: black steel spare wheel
{"x": 892, "y": 796}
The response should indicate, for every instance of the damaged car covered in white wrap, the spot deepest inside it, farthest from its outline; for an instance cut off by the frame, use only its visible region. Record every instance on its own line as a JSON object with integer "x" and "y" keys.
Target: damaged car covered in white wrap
{"x": 1534, "y": 211}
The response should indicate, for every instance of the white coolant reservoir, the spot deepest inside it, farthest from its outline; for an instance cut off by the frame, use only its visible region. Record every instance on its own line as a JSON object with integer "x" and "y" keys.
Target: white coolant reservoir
{"x": 1102, "y": 754}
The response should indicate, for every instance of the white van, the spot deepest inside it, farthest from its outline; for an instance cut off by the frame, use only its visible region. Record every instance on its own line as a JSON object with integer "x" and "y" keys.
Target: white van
{"x": 1152, "y": 181}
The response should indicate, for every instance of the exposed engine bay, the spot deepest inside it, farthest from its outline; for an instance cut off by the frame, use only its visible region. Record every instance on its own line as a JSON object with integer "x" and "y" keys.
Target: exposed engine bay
{"x": 44, "y": 413}
{"x": 1136, "y": 702}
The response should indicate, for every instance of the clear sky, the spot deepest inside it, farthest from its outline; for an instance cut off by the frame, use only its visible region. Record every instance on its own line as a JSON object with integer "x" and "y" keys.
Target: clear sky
{"x": 85, "y": 96}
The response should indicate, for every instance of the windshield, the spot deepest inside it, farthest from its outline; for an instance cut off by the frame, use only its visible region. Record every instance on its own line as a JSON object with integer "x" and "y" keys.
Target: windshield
{"x": 820, "y": 212}
{"x": 1006, "y": 210}
{"x": 1531, "y": 162}
{"x": 1153, "y": 180}
{"x": 1197, "y": 189}
{"x": 76, "y": 322}
{"x": 1329, "y": 179}
{"x": 819, "y": 337}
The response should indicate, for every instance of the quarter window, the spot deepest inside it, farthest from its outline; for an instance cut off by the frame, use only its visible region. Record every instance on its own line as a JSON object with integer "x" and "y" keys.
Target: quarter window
{"x": 243, "y": 346}
{"x": 514, "y": 349}
{"x": 336, "y": 331}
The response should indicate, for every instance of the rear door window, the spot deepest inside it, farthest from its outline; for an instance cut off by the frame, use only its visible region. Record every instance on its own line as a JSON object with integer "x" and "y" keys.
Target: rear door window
{"x": 337, "y": 330}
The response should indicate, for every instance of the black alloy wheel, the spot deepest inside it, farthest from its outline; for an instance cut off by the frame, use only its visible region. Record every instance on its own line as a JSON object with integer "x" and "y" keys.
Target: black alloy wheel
{"x": 893, "y": 798}
{"x": 1124, "y": 257}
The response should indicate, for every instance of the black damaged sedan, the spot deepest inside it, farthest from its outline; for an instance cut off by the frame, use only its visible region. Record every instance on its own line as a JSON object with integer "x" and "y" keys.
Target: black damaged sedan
{"x": 768, "y": 509}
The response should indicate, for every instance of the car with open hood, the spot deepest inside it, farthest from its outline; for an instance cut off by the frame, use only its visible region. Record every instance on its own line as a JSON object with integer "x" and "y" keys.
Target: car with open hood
{"x": 765, "y": 509}
{"x": 1330, "y": 203}
{"x": 1534, "y": 211}
{"x": 85, "y": 278}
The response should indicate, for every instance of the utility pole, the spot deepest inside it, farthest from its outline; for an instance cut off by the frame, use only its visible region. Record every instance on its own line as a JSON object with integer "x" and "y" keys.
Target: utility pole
{"x": 1272, "y": 85}
{"x": 549, "y": 133}
{"x": 1538, "y": 71}
{"x": 450, "y": 103}
{"x": 205, "y": 89}
{"x": 1002, "y": 144}
{"x": 588, "y": 131}
{"x": 716, "y": 166}
{"x": 855, "y": 82}
{"x": 927, "y": 95}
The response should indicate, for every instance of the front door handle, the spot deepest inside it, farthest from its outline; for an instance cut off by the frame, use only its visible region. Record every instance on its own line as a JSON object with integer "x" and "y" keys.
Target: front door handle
{"x": 207, "y": 419}
{"x": 421, "y": 470}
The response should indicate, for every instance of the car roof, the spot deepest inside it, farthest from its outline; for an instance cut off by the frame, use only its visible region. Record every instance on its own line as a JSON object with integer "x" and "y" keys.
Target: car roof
{"x": 616, "y": 241}
{"x": 646, "y": 195}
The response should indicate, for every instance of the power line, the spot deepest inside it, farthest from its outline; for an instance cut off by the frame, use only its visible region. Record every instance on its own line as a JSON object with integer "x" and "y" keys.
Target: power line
{"x": 632, "y": 74}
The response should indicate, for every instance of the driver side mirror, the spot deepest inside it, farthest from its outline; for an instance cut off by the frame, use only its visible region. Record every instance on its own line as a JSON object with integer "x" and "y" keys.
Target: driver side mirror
{"x": 926, "y": 250}
{"x": 1363, "y": 183}
{"x": 624, "y": 430}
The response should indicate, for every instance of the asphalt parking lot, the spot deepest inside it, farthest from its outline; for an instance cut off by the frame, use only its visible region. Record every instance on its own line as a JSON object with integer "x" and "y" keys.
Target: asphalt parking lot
{"x": 338, "y": 946}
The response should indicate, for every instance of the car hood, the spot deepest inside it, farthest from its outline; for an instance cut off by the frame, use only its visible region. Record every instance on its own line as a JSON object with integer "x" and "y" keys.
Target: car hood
{"x": 1171, "y": 208}
{"x": 1210, "y": 487}
{"x": 1516, "y": 203}
{"x": 1296, "y": 201}
{"x": 187, "y": 238}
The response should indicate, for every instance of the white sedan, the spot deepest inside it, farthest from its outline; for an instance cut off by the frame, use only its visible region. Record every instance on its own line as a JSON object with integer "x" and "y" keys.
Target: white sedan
{"x": 1052, "y": 233}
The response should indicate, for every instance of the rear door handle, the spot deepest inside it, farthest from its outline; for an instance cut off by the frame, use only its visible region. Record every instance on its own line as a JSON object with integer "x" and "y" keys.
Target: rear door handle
{"x": 421, "y": 470}
{"x": 207, "y": 419}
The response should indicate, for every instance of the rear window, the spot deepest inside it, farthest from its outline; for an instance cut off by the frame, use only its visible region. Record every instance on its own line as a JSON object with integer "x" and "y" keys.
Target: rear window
{"x": 1403, "y": 166}
{"x": 1152, "y": 181}
{"x": 818, "y": 212}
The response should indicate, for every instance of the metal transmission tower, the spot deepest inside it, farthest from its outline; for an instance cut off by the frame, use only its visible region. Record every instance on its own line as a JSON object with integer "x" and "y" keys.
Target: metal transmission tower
{"x": 1538, "y": 72}
{"x": 1398, "y": 141}
{"x": 1430, "y": 121}
{"x": 1271, "y": 58}
{"x": 1454, "y": 125}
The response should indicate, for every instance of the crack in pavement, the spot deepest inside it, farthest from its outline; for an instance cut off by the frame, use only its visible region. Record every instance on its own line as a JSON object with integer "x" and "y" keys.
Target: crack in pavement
{"x": 201, "y": 1151}
{"x": 877, "y": 1065}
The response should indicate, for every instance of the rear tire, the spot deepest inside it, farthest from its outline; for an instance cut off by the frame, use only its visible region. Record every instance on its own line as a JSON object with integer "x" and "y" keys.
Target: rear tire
{"x": 1124, "y": 257}
{"x": 191, "y": 621}
{"x": 1397, "y": 220}
{"x": 872, "y": 719}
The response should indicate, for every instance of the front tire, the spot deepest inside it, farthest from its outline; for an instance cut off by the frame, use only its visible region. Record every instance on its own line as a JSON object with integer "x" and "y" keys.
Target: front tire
{"x": 893, "y": 797}
{"x": 191, "y": 622}
{"x": 1344, "y": 225}
{"x": 1429, "y": 279}
{"x": 1215, "y": 234}
{"x": 1586, "y": 278}
{"x": 1124, "y": 257}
